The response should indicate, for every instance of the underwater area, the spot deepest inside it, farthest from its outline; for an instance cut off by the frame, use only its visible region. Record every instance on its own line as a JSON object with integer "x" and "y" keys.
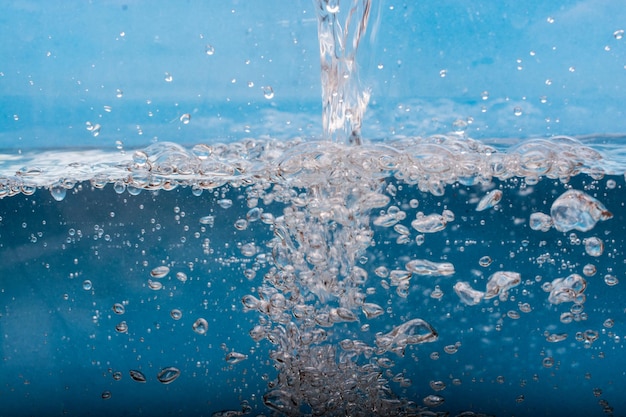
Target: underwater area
{"x": 312, "y": 208}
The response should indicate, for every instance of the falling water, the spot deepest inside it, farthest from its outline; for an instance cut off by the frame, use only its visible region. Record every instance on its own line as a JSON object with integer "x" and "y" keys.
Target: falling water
{"x": 341, "y": 27}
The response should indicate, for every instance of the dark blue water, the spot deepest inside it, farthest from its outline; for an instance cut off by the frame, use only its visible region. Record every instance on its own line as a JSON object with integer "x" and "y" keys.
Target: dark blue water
{"x": 60, "y": 348}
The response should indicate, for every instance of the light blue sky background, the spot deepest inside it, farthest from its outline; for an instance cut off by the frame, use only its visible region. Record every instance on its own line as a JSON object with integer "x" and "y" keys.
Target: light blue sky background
{"x": 63, "y": 62}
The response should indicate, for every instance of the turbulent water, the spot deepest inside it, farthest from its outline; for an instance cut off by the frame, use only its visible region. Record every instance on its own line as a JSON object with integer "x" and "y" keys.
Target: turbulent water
{"x": 345, "y": 276}
{"x": 406, "y": 277}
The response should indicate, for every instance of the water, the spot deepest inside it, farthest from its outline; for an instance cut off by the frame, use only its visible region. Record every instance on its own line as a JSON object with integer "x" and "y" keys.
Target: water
{"x": 341, "y": 275}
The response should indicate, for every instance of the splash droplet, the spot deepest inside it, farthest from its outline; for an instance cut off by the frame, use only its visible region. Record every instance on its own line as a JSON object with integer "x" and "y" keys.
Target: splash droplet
{"x": 268, "y": 92}
{"x": 185, "y": 118}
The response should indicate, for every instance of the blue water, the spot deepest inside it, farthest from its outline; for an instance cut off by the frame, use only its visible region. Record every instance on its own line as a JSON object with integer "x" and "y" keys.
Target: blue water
{"x": 88, "y": 212}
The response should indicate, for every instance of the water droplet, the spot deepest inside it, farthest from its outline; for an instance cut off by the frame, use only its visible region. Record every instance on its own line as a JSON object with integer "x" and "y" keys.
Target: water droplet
{"x": 160, "y": 271}
{"x": 200, "y": 326}
{"x": 332, "y": 6}
{"x": 87, "y": 285}
{"x": 176, "y": 314}
{"x": 185, "y": 118}
{"x": 137, "y": 376}
{"x": 618, "y": 34}
{"x": 209, "y": 49}
{"x": 118, "y": 308}
{"x": 517, "y": 111}
{"x": 168, "y": 375}
{"x": 268, "y": 92}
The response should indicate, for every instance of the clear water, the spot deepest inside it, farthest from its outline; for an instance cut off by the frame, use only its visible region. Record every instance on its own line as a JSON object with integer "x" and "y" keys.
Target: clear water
{"x": 200, "y": 247}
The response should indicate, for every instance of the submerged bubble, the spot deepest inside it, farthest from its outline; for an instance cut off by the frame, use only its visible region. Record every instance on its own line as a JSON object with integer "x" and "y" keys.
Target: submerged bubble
{"x": 118, "y": 308}
{"x": 168, "y": 375}
{"x": 137, "y": 376}
{"x": 209, "y": 49}
{"x": 58, "y": 192}
{"x": 176, "y": 314}
{"x": 489, "y": 200}
{"x": 618, "y": 34}
{"x": 168, "y": 77}
{"x": 87, "y": 285}
{"x": 235, "y": 357}
{"x": 577, "y": 210}
{"x": 467, "y": 294}
{"x": 594, "y": 246}
{"x": 200, "y": 326}
{"x": 160, "y": 272}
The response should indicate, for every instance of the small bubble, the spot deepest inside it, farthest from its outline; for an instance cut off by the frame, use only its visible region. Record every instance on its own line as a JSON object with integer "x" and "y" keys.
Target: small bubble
{"x": 484, "y": 95}
{"x": 168, "y": 77}
{"x": 181, "y": 276}
{"x": 176, "y": 314}
{"x": 168, "y": 375}
{"x": 443, "y": 73}
{"x": 209, "y": 49}
{"x": 119, "y": 93}
{"x": 87, "y": 285}
{"x": 106, "y": 395}
{"x": 550, "y": 19}
{"x": 16, "y": 117}
{"x": 548, "y": 362}
{"x": 137, "y": 376}
{"x": 610, "y": 280}
{"x": 185, "y": 118}
{"x": 517, "y": 111}
{"x": 268, "y": 92}
{"x": 380, "y": 66}
{"x": 543, "y": 99}
{"x": 250, "y": 84}
{"x": 618, "y": 34}
{"x": 121, "y": 327}
{"x": 485, "y": 261}
{"x": 548, "y": 82}
{"x": 571, "y": 69}
{"x": 117, "y": 375}
{"x": 200, "y": 326}
{"x": 160, "y": 271}
{"x": 118, "y": 308}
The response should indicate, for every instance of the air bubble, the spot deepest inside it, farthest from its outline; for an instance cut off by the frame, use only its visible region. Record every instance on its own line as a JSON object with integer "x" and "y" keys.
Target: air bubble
{"x": 160, "y": 272}
{"x": 517, "y": 111}
{"x": 168, "y": 375}
{"x": 209, "y": 49}
{"x": 200, "y": 326}
{"x": 176, "y": 314}
{"x": 137, "y": 376}
{"x": 118, "y": 308}
{"x": 87, "y": 285}
{"x": 168, "y": 77}
{"x": 618, "y": 34}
